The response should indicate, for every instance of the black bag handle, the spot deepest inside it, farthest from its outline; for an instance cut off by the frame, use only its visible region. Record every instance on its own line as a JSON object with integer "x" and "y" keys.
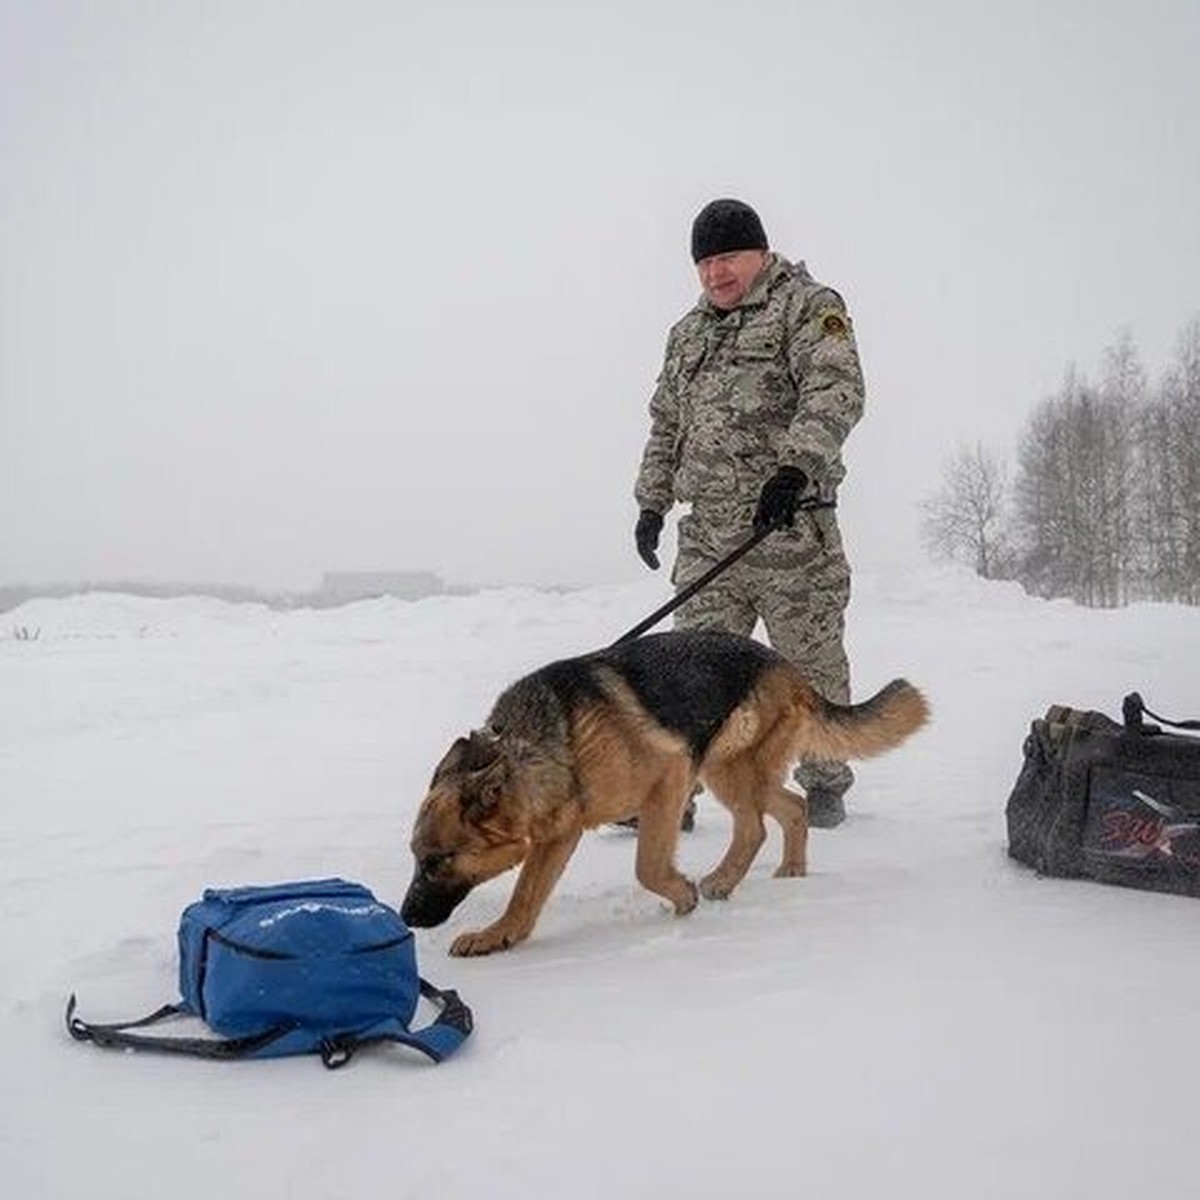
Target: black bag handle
{"x": 1133, "y": 709}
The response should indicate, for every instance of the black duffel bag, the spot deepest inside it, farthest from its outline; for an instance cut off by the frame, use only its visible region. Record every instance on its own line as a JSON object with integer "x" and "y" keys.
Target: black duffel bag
{"x": 1119, "y": 803}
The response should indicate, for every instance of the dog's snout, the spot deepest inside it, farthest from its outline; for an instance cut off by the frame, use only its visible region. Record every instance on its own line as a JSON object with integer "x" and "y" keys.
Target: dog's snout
{"x": 428, "y": 903}
{"x": 412, "y": 911}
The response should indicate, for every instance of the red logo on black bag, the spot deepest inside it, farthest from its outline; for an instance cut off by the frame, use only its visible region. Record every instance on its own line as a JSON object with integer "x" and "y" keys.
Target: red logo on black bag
{"x": 1148, "y": 831}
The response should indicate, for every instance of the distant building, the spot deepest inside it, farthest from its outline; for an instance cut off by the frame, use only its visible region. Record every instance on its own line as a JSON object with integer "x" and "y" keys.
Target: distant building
{"x": 341, "y": 587}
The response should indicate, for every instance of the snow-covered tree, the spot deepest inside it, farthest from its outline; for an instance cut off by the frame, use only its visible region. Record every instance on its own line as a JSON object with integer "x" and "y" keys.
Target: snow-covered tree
{"x": 965, "y": 519}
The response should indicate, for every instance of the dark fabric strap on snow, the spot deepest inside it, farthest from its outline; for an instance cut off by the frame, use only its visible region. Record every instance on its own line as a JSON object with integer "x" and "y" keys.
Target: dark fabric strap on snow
{"x": 452, "y": 1026}
{"x": 1133, "y": 709}
{"x": 117, "y": 1035}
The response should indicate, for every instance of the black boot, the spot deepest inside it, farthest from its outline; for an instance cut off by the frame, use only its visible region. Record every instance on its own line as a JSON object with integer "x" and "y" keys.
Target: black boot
{"x": 687, "y": 819}
{"x": 826, "y": 807}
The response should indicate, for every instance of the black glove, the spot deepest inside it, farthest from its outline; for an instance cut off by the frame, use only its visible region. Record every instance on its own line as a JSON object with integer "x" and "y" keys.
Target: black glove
{"x": 778, "y": 498}
{"x": 649, "y": 526}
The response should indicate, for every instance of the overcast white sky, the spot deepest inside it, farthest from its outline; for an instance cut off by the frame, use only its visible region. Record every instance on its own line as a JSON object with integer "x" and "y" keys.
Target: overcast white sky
{"x": 291, "y": 287}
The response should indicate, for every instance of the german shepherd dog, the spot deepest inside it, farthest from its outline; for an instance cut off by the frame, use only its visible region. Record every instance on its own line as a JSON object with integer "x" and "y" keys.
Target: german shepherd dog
{"x": 630, "y": 730}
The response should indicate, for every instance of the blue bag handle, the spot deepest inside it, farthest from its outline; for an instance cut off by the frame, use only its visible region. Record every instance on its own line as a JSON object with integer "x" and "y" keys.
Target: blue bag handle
{"x": 438, "y": 1040}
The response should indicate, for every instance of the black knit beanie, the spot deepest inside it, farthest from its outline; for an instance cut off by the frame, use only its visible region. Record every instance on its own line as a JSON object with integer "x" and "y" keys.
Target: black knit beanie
{"x": 723, "y": 226}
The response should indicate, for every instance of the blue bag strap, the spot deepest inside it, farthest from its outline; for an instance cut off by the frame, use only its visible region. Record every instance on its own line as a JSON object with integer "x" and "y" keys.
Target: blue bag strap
{"x": 451, "y": 1028}
{"x": 438, "y": 1040}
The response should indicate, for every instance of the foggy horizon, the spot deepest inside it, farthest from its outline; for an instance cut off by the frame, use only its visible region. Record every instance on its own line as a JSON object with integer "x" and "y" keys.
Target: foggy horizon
{"x": 291, "y": 289}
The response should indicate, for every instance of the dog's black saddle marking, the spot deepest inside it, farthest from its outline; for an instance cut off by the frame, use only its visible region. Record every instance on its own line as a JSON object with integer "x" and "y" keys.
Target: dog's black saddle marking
{"x": 688, "y": 681}
{"x": 691, "y": 680}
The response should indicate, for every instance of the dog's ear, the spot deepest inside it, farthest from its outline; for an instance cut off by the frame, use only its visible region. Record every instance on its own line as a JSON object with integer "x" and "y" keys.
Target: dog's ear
{"x": 451, "y": 763}
{"x": 483, "y": 749}
{"x": 486, "y": 786}
{"x": 468, "y": 755}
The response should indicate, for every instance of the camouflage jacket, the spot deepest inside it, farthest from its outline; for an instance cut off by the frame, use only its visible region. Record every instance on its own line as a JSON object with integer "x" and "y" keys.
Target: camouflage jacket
{"x": 774, "y": 382}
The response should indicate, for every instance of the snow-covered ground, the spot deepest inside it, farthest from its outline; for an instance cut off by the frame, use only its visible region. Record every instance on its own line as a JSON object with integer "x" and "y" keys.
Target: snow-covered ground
{"x": 919, "y": 1017}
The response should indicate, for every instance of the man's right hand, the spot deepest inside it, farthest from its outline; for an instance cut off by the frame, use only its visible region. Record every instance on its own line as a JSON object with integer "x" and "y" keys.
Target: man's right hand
{"x": 778, "y": 500}
{"x": 646, "y": 534}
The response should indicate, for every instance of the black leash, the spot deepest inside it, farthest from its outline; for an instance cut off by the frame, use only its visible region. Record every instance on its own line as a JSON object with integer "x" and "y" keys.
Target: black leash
{"x": 718, "y": 568}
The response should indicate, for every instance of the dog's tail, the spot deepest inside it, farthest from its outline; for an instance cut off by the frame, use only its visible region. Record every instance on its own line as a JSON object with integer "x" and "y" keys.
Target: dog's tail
{"x": 836, "y": 732}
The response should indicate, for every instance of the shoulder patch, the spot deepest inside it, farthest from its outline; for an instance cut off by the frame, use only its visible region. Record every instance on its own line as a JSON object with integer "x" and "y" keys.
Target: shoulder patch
{"x": 834, "y": 323}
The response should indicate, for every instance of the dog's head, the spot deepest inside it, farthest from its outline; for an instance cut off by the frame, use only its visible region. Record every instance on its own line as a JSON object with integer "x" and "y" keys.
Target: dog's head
{"x": 470, "y": 827}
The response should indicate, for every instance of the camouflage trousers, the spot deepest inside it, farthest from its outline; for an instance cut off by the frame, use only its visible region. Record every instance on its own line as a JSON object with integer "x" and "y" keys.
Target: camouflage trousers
{"x": 796, "y": 581}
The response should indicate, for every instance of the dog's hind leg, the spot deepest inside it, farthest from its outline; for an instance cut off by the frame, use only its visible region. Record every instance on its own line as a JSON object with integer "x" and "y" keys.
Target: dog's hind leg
{"x": 739, "y": 786}
{"x": 658, "y": 831}
{"x": 539, "y": 873}
{"x": 791, "y": 811}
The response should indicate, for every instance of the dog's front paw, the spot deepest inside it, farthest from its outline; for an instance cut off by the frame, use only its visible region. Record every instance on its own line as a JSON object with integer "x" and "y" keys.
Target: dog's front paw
{"x": 687, "y": 899}
{"x": 481, "y": 941}
{"x": 717, "y": 886}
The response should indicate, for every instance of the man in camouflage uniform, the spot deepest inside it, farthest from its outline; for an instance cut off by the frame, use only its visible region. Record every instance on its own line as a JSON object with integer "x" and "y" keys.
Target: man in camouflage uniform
{"x": 760, "y": 386}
